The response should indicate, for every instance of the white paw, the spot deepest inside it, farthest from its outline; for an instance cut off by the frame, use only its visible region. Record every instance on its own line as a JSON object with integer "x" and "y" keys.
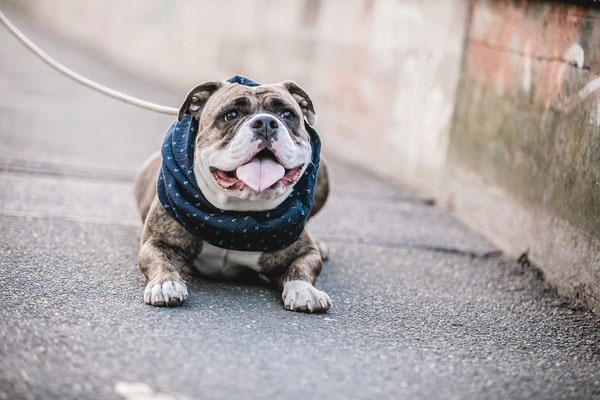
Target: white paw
{"x": 302, "y": 296}
{"x": 165, "y": 294}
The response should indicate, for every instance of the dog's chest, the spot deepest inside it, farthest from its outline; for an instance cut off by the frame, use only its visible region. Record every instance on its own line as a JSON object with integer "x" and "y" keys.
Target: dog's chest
{"x": 217, "y": 262}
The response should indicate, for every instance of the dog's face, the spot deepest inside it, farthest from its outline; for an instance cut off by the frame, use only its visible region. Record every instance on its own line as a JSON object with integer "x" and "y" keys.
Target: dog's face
{"x": 251, "y": 146}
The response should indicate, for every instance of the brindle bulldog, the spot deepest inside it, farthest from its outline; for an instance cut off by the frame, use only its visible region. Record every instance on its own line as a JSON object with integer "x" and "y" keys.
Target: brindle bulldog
{"x": 235, "y": 171}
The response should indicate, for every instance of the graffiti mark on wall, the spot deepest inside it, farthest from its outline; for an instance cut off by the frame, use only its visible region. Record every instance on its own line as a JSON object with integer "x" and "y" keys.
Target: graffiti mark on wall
{"x": 591, "y": 87}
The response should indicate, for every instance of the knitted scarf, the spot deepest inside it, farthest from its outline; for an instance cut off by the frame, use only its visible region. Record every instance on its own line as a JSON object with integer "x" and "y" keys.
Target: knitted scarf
{"x": 267, "y": 230}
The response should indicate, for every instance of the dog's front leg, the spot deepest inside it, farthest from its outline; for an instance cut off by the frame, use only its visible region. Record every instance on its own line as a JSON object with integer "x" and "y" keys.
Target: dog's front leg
{"x": 166, "y": 247}
{"x": 161, "y": 266}
{"x": 299, "y": 294}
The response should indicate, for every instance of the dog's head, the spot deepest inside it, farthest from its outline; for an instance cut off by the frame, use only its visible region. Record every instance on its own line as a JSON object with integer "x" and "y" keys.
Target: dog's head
{"x": 251, "y": 146}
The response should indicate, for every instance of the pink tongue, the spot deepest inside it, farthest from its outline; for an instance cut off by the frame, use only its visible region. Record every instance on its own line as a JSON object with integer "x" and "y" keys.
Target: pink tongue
{"x": 260, "y": 173}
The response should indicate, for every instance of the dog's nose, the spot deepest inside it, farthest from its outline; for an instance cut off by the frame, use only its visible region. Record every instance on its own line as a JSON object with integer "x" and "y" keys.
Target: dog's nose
{"x": 265, "y": 125}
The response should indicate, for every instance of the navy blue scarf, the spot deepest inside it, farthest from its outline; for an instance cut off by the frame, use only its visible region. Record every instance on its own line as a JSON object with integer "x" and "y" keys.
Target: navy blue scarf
{"x": 268, "y": 230}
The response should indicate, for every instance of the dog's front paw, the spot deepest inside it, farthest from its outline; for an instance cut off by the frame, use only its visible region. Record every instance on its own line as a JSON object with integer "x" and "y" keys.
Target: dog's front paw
{"x": 302, "y": 296}
{"x": 165, "y": 293}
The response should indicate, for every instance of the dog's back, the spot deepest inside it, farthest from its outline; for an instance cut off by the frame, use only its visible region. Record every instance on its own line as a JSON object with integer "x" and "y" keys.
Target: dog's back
{"x": 145, "y": 184}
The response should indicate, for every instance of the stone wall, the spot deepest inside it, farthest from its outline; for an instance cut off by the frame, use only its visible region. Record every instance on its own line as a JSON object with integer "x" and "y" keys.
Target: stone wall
{"x": 524, "y": 158}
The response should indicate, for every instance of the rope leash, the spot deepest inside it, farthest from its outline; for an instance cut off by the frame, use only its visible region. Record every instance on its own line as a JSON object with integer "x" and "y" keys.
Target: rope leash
{"x": 82, "y": 79}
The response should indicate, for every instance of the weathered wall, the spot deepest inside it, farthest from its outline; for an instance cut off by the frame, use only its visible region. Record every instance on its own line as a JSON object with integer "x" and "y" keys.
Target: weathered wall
{"x": 383, "y": 73}
{"x": 525, "y": 142}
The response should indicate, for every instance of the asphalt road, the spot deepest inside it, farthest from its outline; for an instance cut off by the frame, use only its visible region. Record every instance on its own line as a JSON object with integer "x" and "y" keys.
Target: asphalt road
{"x": 423, "y": 307}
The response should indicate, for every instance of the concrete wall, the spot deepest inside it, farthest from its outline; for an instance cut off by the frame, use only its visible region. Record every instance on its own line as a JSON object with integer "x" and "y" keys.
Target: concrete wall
{"x": 383, "y": 73}
{"x": 514, "y": 152}
{"x": 524, "y": 159}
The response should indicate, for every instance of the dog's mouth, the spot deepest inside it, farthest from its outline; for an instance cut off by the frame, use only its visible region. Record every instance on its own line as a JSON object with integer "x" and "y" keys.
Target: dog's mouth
{"x": 262, "y": 172}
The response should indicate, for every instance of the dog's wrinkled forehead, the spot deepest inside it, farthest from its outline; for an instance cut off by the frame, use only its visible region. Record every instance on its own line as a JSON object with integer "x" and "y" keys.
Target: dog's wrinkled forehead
{"x": 248, "y": 100}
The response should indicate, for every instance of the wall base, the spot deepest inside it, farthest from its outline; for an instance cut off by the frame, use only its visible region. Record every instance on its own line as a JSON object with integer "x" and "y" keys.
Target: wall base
{"x": 568, "y": 257}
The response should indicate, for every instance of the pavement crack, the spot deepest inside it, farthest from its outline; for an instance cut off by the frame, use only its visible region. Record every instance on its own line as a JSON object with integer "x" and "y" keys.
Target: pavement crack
{"x": 470, "y": 253}
{"x": 70, "y": 218}
{"x": 30, "y": 167}
{"x": 414, "y": 246}
{"x": 427, "y": 201}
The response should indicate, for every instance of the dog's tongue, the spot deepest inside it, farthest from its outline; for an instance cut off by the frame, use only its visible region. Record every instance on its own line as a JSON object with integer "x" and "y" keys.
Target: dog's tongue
{"x": 260, "y": 173}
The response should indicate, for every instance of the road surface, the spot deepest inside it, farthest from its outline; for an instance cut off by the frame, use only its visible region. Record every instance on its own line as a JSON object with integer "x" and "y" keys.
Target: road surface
{"x": 424, "y": 308}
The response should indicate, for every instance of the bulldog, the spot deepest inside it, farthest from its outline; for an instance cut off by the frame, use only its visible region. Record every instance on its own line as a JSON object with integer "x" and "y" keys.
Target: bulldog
{"x": 250, "y": 151}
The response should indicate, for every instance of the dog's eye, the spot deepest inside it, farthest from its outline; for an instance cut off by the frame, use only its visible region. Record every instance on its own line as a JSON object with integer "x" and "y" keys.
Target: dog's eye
{"x": 231, "y": 115}
{"x": 287, "y": 114}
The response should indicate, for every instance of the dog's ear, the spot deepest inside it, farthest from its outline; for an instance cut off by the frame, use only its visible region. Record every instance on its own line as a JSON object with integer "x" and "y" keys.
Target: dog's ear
{"x": 303, "y": 100}
{"x": 196, "y": 99}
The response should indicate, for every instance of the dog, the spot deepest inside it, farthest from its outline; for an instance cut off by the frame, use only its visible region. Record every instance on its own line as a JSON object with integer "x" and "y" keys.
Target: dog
{"x": 251, "y": 149}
